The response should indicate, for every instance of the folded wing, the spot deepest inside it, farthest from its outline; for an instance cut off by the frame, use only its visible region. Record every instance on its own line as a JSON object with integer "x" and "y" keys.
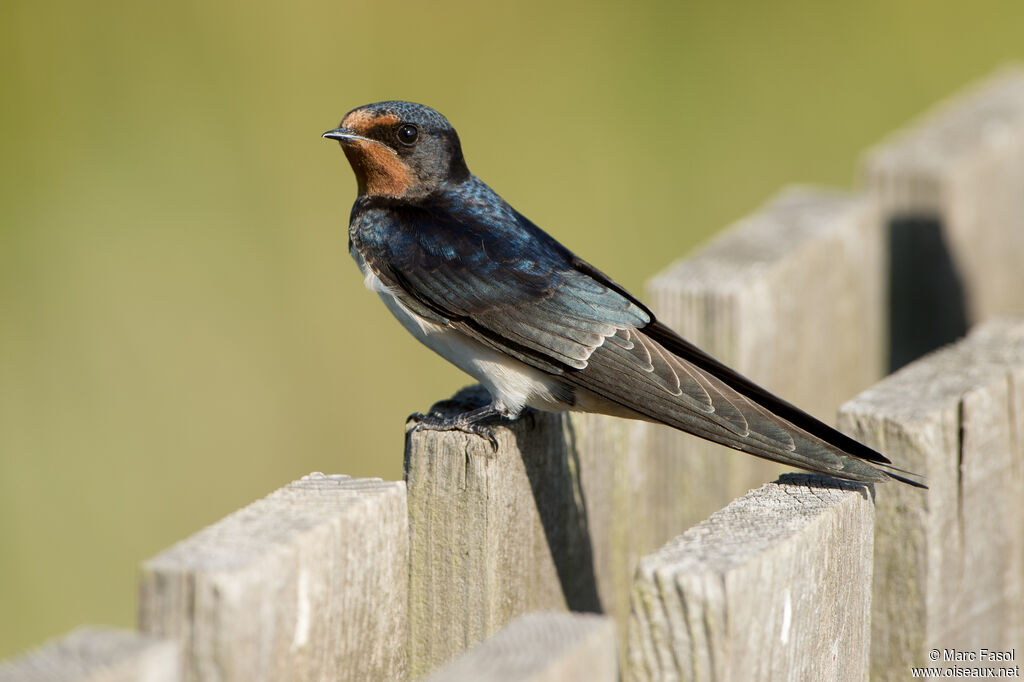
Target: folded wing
{"x": 517, "y": 290}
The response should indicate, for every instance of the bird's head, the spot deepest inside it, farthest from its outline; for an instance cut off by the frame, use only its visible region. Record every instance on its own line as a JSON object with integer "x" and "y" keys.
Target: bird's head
{"x": 400, "y": 149}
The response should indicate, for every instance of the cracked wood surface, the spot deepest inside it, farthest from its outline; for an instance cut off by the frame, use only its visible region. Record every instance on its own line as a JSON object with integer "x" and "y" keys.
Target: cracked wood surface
{"x": 493, "y": 533}
{"x": 772, "y": 587}
{"x": 949, "y": 561}
{"x": 309, "y": 583}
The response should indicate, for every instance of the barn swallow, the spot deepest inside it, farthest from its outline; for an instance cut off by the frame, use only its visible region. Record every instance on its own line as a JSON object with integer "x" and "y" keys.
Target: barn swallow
{"x": 478, "y": 283}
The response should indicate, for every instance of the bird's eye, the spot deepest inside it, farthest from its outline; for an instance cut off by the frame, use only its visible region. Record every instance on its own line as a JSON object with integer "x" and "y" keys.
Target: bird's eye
{"x": 408, "y": 133}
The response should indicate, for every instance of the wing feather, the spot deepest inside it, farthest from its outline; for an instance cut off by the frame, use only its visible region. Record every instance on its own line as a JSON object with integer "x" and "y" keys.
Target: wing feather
{"x": 506, "y": 283}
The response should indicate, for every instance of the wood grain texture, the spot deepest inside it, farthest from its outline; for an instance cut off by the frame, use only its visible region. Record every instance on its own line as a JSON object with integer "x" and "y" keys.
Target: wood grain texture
{"x": 776, "y": 586}
{"x": 615, "y": 478}
{"x": 96, "y": 654}
{"x": 541, "y": 647}
{"x": 791, "y": 296}
{"x": 309, "y": 583}
{"x": 949, "y": 561}
{"x": 494, "y": 533}
{"x": 951, "y": 184}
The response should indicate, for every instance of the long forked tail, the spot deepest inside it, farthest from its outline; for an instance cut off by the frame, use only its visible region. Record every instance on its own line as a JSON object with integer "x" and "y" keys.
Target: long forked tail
{"x": 666, "y": 379}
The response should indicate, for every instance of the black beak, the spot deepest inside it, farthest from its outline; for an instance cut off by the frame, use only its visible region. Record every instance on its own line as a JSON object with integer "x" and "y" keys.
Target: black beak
{"x": 344, "y": 135}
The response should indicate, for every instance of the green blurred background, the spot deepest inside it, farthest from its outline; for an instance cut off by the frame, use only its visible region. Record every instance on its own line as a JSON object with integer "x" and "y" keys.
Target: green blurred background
{"x": 181, "y": 328}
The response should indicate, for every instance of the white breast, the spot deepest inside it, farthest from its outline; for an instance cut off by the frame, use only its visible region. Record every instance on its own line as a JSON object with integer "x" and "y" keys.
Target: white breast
{"x": 511, "y": 383}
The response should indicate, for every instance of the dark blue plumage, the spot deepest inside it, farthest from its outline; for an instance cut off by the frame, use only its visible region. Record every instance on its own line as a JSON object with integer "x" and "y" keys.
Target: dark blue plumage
{"x": 487, "y": 289}
{"x": 467, "y": 255}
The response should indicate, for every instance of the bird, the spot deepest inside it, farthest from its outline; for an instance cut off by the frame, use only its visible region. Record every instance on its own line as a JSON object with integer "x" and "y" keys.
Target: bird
{"x": 484, "y": 287}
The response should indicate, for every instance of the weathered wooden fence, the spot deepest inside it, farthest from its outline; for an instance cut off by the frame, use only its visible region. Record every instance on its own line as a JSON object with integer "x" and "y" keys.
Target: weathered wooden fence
{"x": 467, "y": 569}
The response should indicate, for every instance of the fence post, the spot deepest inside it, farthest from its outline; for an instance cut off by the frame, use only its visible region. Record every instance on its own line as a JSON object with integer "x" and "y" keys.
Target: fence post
{"x": 541, "y": 647}
{"x": 96, "y": 654}
{"x": 951, "y": 187}
{"x": 617, "y": 479}
{"x": 808, "y": 265}
{"x": 313, "y": 581}
{"x": 791, "y": 296}
{"x": 309, "y": 583}
{"x": 776, "y": 586}
{"x": 493, "y": 533}
{"x": 949, "y": 561}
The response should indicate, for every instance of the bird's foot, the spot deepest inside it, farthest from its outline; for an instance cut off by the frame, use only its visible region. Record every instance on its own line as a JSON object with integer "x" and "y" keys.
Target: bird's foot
{"x": 471, "y": 422}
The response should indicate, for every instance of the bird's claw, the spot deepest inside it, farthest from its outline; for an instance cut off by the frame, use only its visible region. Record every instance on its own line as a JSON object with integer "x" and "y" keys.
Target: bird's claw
{"x": 435, "y": 421}
{"x": 420, "y": 417}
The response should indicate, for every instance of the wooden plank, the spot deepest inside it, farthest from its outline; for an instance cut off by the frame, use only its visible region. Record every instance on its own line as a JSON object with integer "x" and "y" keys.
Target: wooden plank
{"x": 308, "y": 583}
{"x": 541, "y": 647}
{"x": 791, "y": 296}
{"x": 493, "y": 533}
{"x": 776, "y": 586}
{"x": 951, "y": 186}
{"x": 96, "y": 654}
{"x": 616, "y": 480}
{"x": 949, "y": 561}
{"x": 806, "y": 266}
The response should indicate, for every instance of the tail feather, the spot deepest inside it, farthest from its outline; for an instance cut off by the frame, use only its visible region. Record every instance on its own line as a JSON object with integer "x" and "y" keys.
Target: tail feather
{"x": 688, "y": 352}
{"x": 693, "y": 392}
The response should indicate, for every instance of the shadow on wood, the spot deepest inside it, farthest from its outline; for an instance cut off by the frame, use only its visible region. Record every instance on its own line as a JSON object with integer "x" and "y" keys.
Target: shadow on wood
{"x": 493, "y": 533}
{"x": 952, "y": 183}
{"x": 927, "y": 305}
